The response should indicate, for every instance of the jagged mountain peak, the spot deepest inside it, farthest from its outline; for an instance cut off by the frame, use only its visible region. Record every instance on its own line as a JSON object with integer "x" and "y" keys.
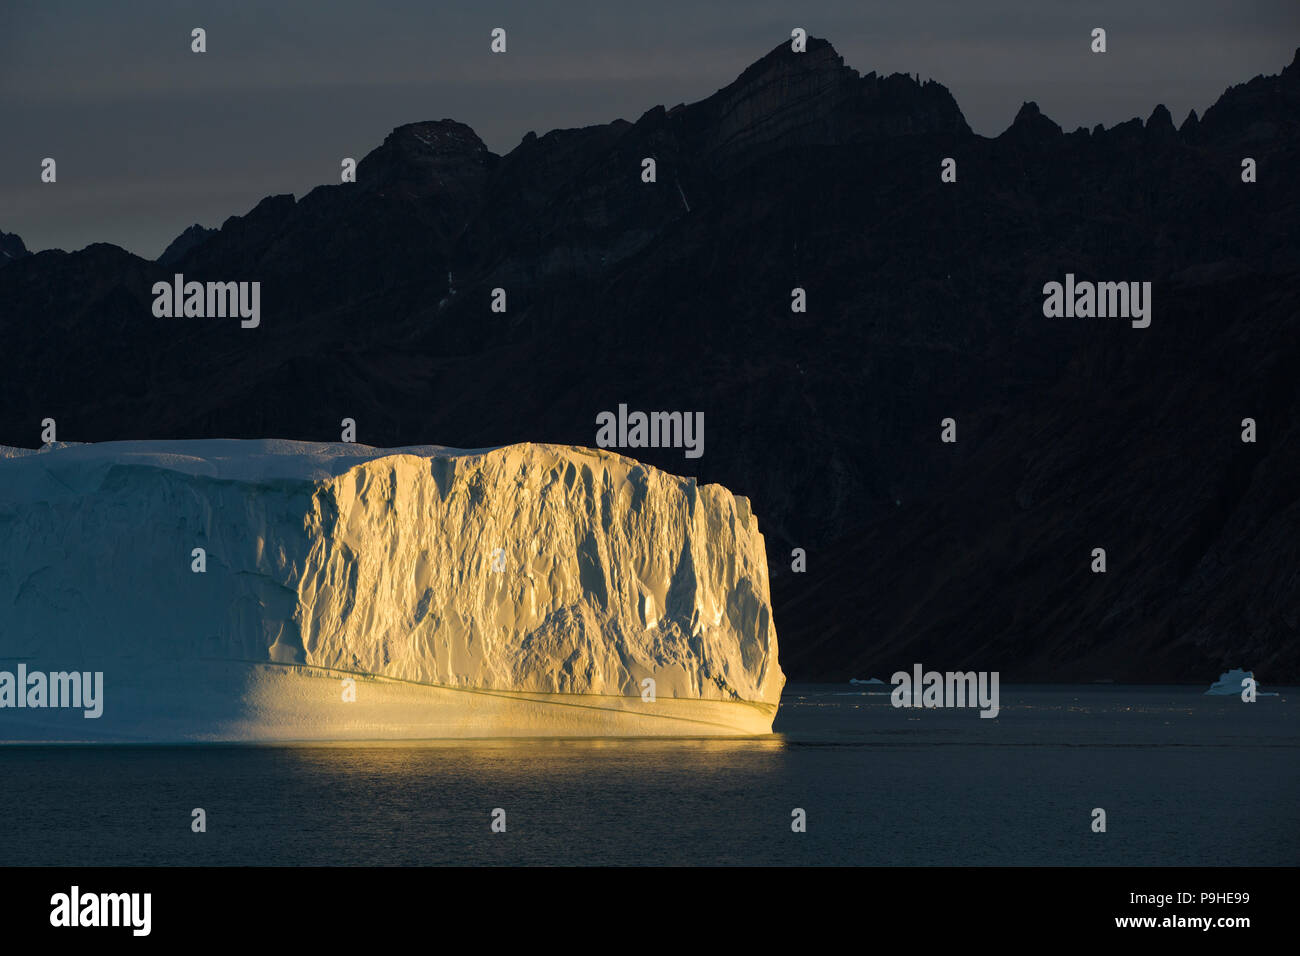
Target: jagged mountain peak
{"x": 1030, "y": 125}
{"x": 1160, "y": 118}
{"x": 182, "y": 244}
{"x": 444, "y": 137}
{"x": 788, "y": 99}
{"x": 11, "y": 248}
{"x": 422, "y": 159}
{"x": 819, "y": 57}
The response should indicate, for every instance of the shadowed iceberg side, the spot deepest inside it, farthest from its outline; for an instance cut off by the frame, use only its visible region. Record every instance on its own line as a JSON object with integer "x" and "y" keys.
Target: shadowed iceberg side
{"x": 524, "y": 590}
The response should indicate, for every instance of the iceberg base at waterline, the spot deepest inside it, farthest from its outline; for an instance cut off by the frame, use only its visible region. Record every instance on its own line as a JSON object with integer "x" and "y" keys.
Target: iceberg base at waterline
{"x": 233, "y": 701}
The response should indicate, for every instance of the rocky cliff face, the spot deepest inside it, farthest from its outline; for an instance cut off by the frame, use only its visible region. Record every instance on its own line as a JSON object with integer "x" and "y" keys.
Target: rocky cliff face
{"x": 924, "y": 302}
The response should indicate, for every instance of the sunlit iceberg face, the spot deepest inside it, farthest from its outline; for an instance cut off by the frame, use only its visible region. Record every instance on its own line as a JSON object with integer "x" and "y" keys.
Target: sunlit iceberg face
{"x": 255, "y": 590}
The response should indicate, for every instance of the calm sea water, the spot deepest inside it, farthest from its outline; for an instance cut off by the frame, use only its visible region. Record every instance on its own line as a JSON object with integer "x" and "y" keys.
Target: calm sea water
{"x": 1183, "y": 778}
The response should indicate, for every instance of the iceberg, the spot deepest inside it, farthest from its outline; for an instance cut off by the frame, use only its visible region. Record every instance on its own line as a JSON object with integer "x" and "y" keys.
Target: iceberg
{"x": 1230, "y": 684}
{"x": 269, "y": 590}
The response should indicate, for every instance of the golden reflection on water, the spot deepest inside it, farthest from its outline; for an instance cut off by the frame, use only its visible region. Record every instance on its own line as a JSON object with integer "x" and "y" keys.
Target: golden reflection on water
{"x": 533, "y": 758}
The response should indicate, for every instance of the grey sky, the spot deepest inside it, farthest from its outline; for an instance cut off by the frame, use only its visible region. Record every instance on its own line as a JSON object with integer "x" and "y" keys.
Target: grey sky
{"x": 150, "y": 137}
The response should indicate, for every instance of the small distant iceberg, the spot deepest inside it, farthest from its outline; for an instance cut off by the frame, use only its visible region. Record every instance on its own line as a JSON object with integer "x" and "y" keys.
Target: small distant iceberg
{"x": 866, "y": 688}
{"x": 1230, "y": 684}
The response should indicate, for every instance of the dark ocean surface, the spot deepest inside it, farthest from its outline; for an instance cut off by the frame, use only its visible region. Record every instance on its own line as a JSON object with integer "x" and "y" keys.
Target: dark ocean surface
{"x": 1184, "y": 779}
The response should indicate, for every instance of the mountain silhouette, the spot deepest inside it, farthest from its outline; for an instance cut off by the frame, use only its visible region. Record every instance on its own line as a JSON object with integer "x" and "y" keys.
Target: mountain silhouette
{"x": 924, "y": 302}
{"x": 11, "y": 248}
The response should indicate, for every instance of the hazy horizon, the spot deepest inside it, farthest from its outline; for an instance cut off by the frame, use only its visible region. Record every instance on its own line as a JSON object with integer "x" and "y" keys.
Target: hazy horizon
{"x": 151, "y": 138}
